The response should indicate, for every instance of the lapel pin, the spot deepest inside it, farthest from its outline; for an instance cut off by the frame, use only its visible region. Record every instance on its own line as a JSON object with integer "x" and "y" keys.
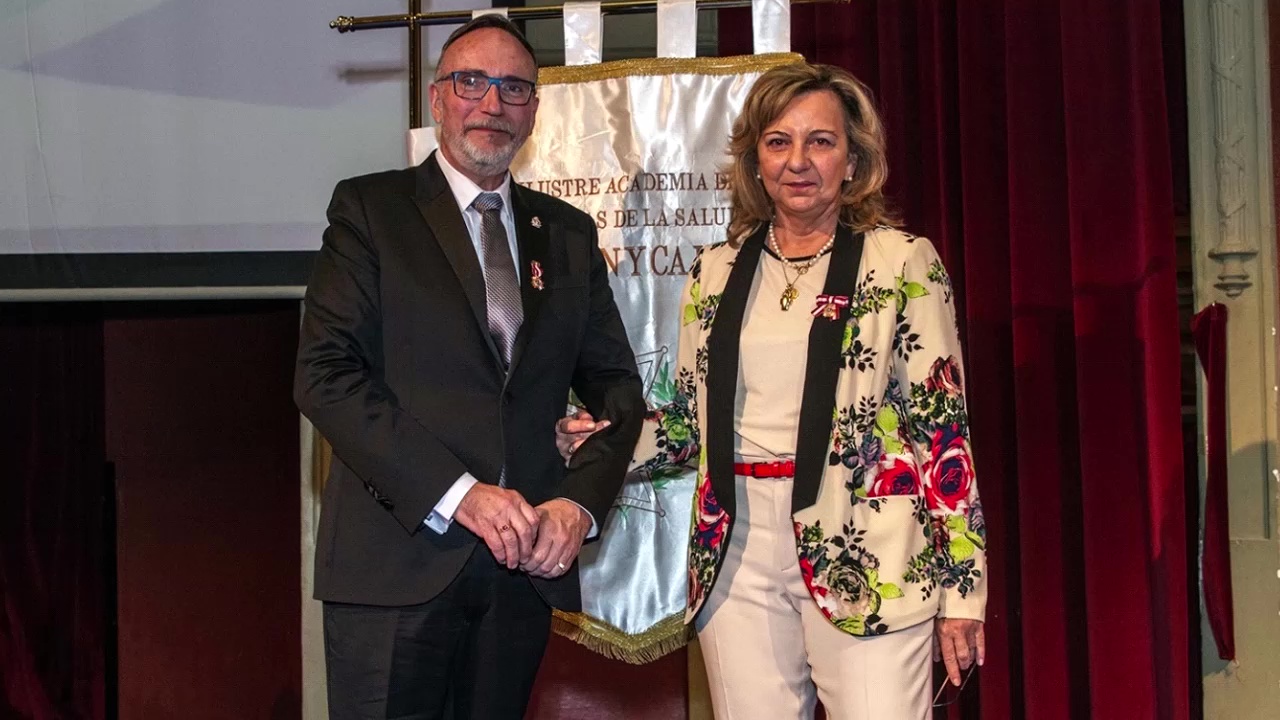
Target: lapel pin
{"x": 536, "y": 221}
{"x": 535, "y": 270}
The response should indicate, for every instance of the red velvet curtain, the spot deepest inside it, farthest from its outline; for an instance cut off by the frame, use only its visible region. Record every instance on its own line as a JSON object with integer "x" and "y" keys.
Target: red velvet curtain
{"x": 1031, "y": 142}
{"x": 52, "y": 538}
{"x": 1209, "y": 327}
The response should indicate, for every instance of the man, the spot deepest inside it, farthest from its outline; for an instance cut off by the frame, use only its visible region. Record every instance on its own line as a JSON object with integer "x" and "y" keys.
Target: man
{"x": 449, "y": 314}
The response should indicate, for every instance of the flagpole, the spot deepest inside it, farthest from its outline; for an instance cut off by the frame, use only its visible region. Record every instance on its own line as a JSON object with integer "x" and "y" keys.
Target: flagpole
{"x": 416, "y": 19}
{"x": 346, "y": 23}
{"x": 415, "y": 64}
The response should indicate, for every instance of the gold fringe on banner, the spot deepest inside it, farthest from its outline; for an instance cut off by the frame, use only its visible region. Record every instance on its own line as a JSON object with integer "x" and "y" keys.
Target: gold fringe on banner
{"x": 561, "y": 74}
{"x": 669, "y": 635}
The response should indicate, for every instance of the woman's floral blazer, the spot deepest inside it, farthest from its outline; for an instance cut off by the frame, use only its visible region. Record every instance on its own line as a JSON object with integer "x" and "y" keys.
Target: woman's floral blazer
{"x": 888, "y": 523}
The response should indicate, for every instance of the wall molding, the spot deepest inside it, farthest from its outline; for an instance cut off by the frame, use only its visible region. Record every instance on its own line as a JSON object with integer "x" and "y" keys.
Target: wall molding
{"x": 1233, "y": 237}
{"x": 1235, "y": 140}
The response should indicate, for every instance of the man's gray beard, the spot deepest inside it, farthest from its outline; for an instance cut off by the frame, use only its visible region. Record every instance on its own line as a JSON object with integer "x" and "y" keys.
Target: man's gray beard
{"x": 481, "y": 162}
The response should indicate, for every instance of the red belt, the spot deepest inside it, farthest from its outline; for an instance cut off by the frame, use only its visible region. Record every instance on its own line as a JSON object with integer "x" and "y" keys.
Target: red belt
{"x": 775, "y": 469}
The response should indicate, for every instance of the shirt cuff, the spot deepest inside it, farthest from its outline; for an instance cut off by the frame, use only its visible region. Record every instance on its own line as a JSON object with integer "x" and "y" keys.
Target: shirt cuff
{"x": 441, "y": 516}
{"x": 594, "y": 530}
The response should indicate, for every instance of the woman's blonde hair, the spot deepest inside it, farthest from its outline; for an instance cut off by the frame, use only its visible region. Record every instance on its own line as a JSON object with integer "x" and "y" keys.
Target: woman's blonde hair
{"x": 862, "y": 200}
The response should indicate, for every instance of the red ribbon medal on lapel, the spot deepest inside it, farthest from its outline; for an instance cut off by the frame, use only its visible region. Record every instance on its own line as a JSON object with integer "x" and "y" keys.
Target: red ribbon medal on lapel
{"x": 829, "y": 306}
{"x": 535, "y": 275}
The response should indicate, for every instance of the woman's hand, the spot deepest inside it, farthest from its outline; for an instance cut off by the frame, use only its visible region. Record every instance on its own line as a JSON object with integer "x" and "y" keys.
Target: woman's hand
{"x": 574, "y": 430}
{"x": 958, "y": 644}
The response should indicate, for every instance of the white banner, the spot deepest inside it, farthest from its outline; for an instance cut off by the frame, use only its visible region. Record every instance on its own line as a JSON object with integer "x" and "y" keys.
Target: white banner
{"x": 640, "y": 146}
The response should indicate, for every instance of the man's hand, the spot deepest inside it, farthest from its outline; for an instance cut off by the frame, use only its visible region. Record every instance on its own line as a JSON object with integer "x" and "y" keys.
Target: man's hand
{"x": 958, "y": 644}
{"x": 562, "y": 527}
{"x": 574, "y": 430}
{"x": 502, "y": 518}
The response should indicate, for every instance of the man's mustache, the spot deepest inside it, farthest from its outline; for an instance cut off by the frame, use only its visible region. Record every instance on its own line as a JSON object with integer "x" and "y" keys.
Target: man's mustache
{"x": 491, "y": 125}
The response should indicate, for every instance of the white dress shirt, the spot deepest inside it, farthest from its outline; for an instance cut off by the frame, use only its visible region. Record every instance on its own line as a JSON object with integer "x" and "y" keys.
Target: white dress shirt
{"x": 465, "y": 192}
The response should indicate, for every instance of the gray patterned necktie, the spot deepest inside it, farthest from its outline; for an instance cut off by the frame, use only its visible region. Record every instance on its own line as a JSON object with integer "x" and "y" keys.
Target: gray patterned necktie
{"x": 501, "y": 284}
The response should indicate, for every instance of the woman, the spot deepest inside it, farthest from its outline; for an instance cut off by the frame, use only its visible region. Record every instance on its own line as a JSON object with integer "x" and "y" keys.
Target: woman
{"x": 837, "y": 530}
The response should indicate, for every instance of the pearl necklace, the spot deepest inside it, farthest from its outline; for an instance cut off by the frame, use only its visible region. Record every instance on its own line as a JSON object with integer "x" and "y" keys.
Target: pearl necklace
{"x": 789, "y": 294}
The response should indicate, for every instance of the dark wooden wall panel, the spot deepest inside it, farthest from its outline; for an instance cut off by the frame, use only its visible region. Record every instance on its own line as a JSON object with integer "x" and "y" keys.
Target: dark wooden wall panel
{"x": 204, "y": 437}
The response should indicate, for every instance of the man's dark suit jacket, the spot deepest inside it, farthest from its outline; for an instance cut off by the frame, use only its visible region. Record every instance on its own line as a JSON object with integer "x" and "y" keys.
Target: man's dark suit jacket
{"x": 397, "y": 369}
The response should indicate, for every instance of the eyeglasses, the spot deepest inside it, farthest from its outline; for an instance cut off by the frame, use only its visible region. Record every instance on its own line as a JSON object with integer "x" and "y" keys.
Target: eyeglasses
{"x": 471, "y": 85}
{"x": 937, "y": 697}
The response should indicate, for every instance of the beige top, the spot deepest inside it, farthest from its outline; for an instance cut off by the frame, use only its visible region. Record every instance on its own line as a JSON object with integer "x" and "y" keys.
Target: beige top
{"x": 771, "y": 365}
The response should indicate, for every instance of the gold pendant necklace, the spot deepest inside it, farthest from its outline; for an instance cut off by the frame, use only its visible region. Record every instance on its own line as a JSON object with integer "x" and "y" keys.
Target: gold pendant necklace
{"x": 789, "y": 296}
{"x": 790, "y": 293}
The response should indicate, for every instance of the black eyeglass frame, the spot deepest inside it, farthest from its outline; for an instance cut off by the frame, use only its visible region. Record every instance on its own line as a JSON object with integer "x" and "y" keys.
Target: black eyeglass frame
{"x": 500, "y": 83}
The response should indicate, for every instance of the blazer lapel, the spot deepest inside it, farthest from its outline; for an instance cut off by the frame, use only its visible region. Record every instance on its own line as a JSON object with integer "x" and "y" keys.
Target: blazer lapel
{"x": 444, "y": 218}
{"x": 533, "y": 242}
{"x": 822, "y": 372}
{"x": 723, "y": 349}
